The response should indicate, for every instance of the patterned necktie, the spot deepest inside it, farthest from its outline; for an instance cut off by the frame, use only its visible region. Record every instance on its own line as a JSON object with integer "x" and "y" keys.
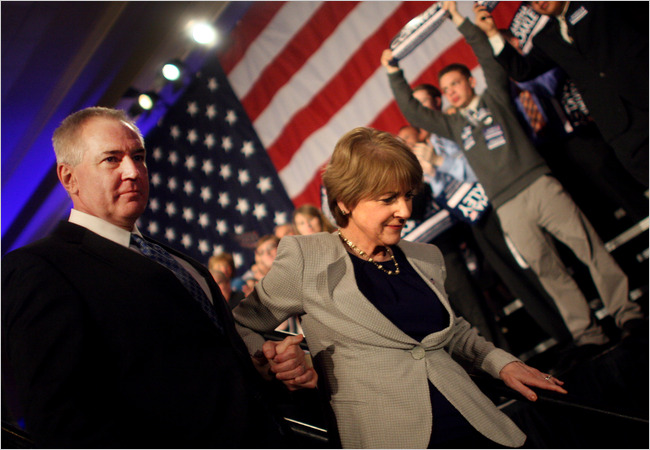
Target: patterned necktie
{"x": 534, "y": 115}
{"x": 161, "y": 256}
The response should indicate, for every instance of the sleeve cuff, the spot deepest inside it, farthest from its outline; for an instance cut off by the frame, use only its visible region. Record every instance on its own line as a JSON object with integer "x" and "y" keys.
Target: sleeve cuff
{"x": 496, "y": 360}
{"x": 497, "y": 42}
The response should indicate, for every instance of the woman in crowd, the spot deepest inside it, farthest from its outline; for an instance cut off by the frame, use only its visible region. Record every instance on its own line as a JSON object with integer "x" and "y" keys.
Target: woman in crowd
{"x": 308, "y": 219}
{"x": 376, "y": 316}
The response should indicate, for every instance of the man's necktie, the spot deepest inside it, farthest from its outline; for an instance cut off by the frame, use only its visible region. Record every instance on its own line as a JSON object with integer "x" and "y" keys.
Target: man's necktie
{"x": 534, "y": 115}
{"x": 161, "y": 256}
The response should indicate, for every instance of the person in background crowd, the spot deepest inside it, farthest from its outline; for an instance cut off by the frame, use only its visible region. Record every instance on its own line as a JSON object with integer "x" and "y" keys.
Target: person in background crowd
{"x": 308, "y": 219}
{"x": 233, "y": 297}
{"x": 376, "y": 316}
{"x": 284, "y": 230}
{"x": 265, "y": 251}
{"x": 574, "y": 149}
{"x": 446, "y": 166}
{"x": 529, "y": 202}
{"x": 603, "y": 48}
{"x": 118, "y": 342}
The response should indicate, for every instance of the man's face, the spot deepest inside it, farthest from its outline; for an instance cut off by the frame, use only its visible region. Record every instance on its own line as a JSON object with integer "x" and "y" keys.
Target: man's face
{"x": 548, "y": 8}
{"x": 457, "y": 88}
{"x": 425, "y": 99}
{"x": 410, "y": 135}
{"x": 111, "y": 182}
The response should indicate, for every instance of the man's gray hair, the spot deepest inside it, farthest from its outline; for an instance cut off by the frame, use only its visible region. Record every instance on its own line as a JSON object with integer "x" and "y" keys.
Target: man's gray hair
{"x": 65, "y": 140}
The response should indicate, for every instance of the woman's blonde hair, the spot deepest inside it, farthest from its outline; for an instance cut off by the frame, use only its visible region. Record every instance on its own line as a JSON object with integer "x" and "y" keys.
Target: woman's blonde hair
{"x": 367, "y": 163}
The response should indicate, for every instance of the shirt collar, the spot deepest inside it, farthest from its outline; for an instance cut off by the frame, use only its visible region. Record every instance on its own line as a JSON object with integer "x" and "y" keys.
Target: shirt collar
{"x": 472, "y": 106}
{"x": 103, "y": 228}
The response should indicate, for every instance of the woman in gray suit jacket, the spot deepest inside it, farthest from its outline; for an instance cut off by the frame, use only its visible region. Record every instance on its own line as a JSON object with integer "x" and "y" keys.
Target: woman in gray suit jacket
{"x": 376, "y": 316}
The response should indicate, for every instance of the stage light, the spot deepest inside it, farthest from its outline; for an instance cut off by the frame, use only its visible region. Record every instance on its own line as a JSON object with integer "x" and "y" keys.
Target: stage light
{"x": 204, "y": 33}
{"x": 173, "y": 70}
{"x": 146, "y": 100}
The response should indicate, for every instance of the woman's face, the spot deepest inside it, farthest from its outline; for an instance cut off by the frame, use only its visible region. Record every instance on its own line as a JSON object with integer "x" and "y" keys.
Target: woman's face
{"x": 307, "y": 224}
{"x": 378, "y": 221}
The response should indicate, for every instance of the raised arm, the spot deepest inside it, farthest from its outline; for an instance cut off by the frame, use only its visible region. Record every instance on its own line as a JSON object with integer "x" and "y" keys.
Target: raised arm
{"x": 416, "y": 114}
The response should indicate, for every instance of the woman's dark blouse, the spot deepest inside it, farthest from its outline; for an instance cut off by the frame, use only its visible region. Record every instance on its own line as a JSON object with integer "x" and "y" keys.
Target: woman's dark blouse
{"x": 407, "y": 301}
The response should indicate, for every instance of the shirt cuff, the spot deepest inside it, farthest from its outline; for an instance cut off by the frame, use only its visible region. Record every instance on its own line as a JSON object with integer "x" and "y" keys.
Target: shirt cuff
{"x": 497, "y": 42}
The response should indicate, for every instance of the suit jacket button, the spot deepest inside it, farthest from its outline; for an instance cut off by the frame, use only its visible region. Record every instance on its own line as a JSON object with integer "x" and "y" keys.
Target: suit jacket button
{"x": 417, "y": 352}
{"x": 602, "y": 74}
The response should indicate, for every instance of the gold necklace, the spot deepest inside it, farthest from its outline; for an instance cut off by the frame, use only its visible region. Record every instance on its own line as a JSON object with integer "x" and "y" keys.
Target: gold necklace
{"x": 364, "y": 254}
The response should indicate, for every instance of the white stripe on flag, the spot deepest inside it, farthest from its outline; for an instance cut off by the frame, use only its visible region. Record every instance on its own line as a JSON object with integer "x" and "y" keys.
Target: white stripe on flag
{"x": 321, "y": 67}
{"x": 287, "y": 22}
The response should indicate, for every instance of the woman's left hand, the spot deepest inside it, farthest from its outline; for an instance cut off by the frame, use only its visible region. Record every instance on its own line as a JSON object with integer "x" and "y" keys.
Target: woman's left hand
{"x": 518, "y": 376}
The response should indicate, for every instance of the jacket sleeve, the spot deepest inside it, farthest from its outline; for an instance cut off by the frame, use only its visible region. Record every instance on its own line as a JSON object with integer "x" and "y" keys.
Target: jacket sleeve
{"x": 472, "y": 347}
{"x": 524, "y": 67}
{"x": 45, "y": 339}
{"x": 417, "y": 115}
{"x": 495, "y": 75}
{"x": 275, "y": 298}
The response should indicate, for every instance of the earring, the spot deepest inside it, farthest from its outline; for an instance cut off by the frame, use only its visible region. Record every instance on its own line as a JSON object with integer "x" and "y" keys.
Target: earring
{"x": 345, "y": 213}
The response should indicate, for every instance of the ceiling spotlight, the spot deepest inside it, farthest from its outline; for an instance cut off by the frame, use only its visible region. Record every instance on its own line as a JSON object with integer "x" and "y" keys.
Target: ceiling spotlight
{"x": 204, "y": 33}
{"x": 172, "y": 70}
{"x": 146, "y": 100}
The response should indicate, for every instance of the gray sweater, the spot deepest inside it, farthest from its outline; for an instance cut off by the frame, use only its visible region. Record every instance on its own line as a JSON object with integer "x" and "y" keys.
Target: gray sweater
{"x": 506, "y": 169}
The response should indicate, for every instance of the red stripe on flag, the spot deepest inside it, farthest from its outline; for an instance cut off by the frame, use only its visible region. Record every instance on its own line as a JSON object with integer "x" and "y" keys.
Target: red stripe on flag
{"x": 360, "y": 66}
{"x": 295, "y": 54}
{"x": 246, "y": 32}
{"x": 311, "y": 193}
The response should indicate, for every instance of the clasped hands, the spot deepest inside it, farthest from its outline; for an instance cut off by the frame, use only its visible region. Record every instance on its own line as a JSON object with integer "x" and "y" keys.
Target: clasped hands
{"x": 288, "y": 363}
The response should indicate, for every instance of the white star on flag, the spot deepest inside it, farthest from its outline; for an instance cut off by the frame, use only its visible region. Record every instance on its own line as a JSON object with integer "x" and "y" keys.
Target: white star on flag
{"x": 225, "y": 171}
{"x": 170, "y": 209}
{"x": 188, "y": 187}
{"x": 265, "y": 184}
{"x": 192, "y": 136}
{"x": 172, "y": 184}
{"x": 192, "y": 108}
{"x": 207, "y": 166}
{"x": 259, "y": 211}
{"x": 231, "y": 117}
{"x": 209, "y": 140}
{"x": 242, "y": 206}
{"x": 206, "y": 194}
{"x": 224, "y": 199}
{"x": 248, "y": 149}
{"x": 243, "y": 177}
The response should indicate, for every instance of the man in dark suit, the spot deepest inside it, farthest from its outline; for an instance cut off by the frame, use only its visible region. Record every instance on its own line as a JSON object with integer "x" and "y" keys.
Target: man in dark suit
{"x": 603, "y": 48}
{"x": 110, "y": 348}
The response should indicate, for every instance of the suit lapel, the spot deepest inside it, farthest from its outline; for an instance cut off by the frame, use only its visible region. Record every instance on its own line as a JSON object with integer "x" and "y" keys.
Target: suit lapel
{"x": 347, "y": 298}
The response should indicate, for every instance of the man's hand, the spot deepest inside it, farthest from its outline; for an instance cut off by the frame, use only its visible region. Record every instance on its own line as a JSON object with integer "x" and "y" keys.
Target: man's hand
{"x": 289, "y": 364}
{"x": 518, "y": 376}
{"x": 427, "y": 157}
{"x": 386, "y": 58}
{"x": 451, "y": 8}
{"x": 484, "y": 20}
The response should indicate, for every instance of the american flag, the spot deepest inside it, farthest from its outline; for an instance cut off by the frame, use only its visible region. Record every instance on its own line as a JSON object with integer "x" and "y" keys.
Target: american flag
{"x": 305, "y": 74}
{"x": 308, "y": 72}
{"x": 213, "y": 187}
